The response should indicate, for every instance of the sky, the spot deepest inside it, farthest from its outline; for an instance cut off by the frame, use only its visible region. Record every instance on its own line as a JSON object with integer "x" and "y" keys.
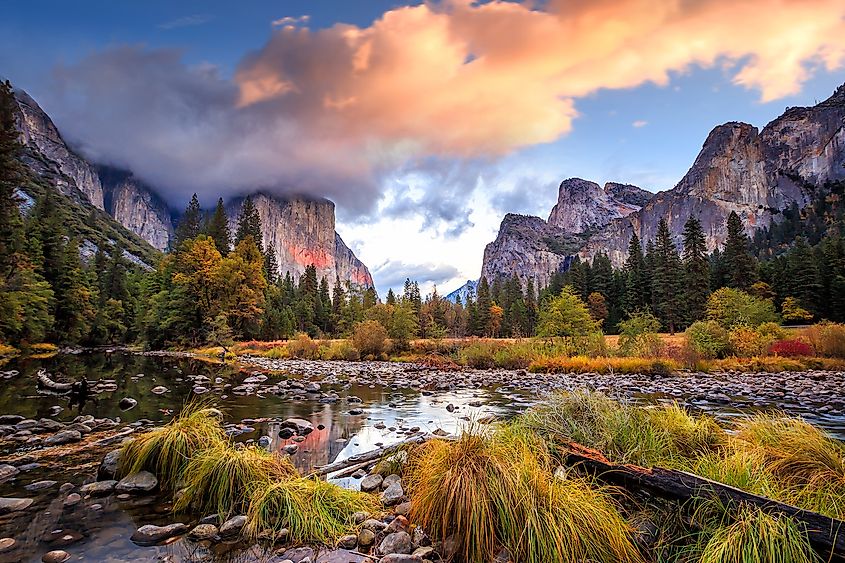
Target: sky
{"x": 424, "y": 122}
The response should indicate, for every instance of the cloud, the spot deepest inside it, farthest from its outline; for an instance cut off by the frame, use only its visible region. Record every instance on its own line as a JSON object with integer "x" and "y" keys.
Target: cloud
{"x": 187, "y": 21}
{"x": 290, "y": 21}
{"x": 335, "y": 112}
{"x": 527, "y": 196}
{"x": 393, "y": 273}
{"x": 639, "y": 123}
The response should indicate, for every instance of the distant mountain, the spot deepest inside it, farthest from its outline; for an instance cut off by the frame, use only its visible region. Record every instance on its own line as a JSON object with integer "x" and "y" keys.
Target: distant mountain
{"x": 301, "y": 231}
{"x": 470, "y": 287}
{"x": 794, "y": 160}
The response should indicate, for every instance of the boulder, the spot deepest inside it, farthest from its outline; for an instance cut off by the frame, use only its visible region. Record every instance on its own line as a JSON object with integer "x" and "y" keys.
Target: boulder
{"x": 10, "y": 504}
{"x": 63, "y": 437}
{"x": 151, "y": 535}
{"x": 108, "y": 467}
{"x": 41, "y": 485}
{"x": 6, "y": 544}
{"x": 366, "y": 538}
{"x": 371, "y": 483}
{"x": 401, "y": 558}
{"x": 348, "y": 542}
{"x": 55, "y": 556}
{"x": 127, "y": 403}
{"x": 233, "y": 526}
{"x": 399, "y": 542}
{"x": 393, "y": 495}
{"x": 300, "y": 425}
{"x": 7, "y": 472}
{"x": 203, "y": 532}
{"x": 98, "y": 488}
{"x": 137, "y": 483}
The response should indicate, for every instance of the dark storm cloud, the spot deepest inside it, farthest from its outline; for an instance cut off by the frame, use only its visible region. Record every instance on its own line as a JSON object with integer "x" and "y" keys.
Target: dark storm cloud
{"x": 393, "y": 273}
{"x": 528, "y": 196}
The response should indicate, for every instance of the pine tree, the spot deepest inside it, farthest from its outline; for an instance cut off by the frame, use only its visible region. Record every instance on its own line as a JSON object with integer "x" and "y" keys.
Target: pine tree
{"x": 696, "y": 271}
{"x": 391, "y": 297}
{"x": 271, "y": 266}
{"x": 249, "y": 224}
{"x": 635, "y": 298}
{"x": 218, "y": 228}
{"x": 601, "y": 275}
{"x": 191, "y": 223}
{"x": 668, "y": 279}
{"x": 739, "y": 262}
{"x": 483, "y": 308}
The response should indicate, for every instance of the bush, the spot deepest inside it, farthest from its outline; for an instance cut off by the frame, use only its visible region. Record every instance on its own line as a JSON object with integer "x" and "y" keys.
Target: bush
{"x": 731, "y": 307}
{"x": 747, "y": 342}
{"x": 828, "y": 339}
{"x": 584, "y": 364}
{"x": 707, "y": 338}
{"x": 304, "y": 348}
{"x": 790, "y": 348}
{"x": 566, "y": 315}
{"x": 342, "y": 350}
{"x": 370, "y": 338}
{"x": 773, "y": 331}
{"x": 638, "y": 335}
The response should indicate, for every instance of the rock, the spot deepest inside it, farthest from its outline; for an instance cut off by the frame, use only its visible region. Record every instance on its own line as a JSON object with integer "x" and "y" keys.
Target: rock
{"x": 7, "y": 472}
{"x": 399, "y": 524}
{"x": 450, "y": 407}
{"x": 11, "y": 419}
{"x": 300, "y": 425}
{"x": 366, "y": 538}
{"x": 159, "y": 390}
{"x": 371, "y": 483}
{"x": 286, "y": 433}
{"x": 348, "y": 542}
{"x": 98, "y": 488}
{"x": 203, "y": 532}
{"x": 40, "y": 485}
{"x": 312, "y": 387}
{"x": 233, "y": 526}
{"x": 402, "y": 509}
{"x": 291, "y": 449}
{"x": 9, "y": 504}
{"x": 63, "y": 437}
{"x": 150, "y": 534}
{"x": 56, "y": 556}
{"x": 72, "y": 499}
{"x": 264, "y": 442}
{"x": 400, "y": 558}
{"x": 373, "y": 524}
{"x": 6, "y": 544}
{"x": 390, "y": 480}
{"x": 356, "y": 412}
{"x": 359, "y": 517}
{"x": 423, "y": 552}
{"x": 137, "y": 483}
{"x": 108, "y": 467}
{"x": 399, "y": 542}
{"x": 127, "y": 403}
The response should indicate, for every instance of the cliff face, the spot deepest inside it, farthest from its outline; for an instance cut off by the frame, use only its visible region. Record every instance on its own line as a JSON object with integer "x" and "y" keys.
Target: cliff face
{"x": 69, "y": 172}
{"x": 136, "y": 206}
{"x": 755, "y": 173}
{"x": 302, "y": 232}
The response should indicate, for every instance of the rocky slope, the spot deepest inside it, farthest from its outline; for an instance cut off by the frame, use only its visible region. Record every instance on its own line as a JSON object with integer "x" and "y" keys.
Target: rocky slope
{"x": 463, "y": 292}
{"x": 755, "y": 173}
{"x": 137, "y": 207}
{"x": 302, "y": 231}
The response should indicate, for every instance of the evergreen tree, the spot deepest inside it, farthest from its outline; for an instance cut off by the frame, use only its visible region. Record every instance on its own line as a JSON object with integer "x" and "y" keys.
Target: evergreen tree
{"x": 635, "y": 283}
{"x": 249, "y": 224}
{"x": 696, "y": 271}
{"x": 218, "y": 228}
{"x": 271, "y": 266}
{"x": 739, "y": 262}
{"x": 391, "y": 297}
{"x": 483, "y": 304}
{"x": 667, "y": 282}
{"x": 191, "y": 223}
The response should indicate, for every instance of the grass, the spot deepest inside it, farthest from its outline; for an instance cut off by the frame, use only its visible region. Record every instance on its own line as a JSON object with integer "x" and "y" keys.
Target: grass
{"x": 217, "y": 478}
{"x": 664, "y": 435}
{"x": 7, "y": 351}
{"x": 583, "y": 364}
{"x": 309, "y": 509}
{"x": 494, "y": 491}
{"x": 165, "y": 452}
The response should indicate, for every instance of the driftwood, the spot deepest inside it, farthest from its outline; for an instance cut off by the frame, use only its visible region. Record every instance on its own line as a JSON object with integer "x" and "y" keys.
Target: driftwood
{"x": 363, "y": 459}
{"x": 826, "y": 535}
{"x": 45, "y": 382}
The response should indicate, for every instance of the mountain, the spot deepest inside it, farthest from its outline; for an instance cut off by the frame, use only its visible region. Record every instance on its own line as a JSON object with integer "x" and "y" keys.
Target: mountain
{"x": 301, "y": 231}
{"x": 794, "y": 160}
{"x": 470, "y": 287}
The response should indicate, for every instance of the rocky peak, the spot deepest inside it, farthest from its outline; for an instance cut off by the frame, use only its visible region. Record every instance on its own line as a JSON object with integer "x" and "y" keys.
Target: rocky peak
{"x": 582, "y": 206}
{"x": 69, "y": 172}
{"x": 301, "y": 231}
{"x": 136, "y": 206}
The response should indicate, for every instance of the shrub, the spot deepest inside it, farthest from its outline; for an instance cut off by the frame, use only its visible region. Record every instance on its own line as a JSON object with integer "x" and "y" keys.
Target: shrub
{"x": 793, "y": 312}
{"x": 746, "y": 342}
{"x": 827, "y": 338}
{"x": 731, "y": 307}
{"x": 370, "y": 338}
{"x": 584, "y": 364}
{"x": 566, "y": 315}
{"x": 790, "y": 348}
{"x": 304, "y": 348}
{"x": 773, "y": 331}
{"x": 479, "y": 355}
{"x": 342, "y": 350}
{"x": 638, "y": 335}
{"x": 707, "y": 338}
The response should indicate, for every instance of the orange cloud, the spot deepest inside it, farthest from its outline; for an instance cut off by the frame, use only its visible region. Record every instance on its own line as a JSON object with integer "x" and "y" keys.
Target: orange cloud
{"x": 463, "y": 78}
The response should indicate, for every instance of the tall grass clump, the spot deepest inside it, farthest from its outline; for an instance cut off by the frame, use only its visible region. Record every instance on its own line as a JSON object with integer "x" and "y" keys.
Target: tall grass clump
{"x": 646, "y": 436}
{"x": 303, "y": 347}
{"x": 311, "y": 510}
{"x": 757, "y": 537}
{"x": 827, "y": 338}
{"x": 166, "y": 451}
{"x": 498, "y": 491}
{"x": 217, "y": 479}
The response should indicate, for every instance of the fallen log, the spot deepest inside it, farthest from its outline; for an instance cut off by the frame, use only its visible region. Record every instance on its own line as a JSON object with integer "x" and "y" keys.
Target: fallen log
{"x": 826, "y": 535}
{"x": 44, "y": 381}
{"x": 369, "y": 456}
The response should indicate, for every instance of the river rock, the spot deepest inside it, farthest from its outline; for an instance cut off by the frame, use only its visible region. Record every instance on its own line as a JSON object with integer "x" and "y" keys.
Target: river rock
{"x": 291, "y": 449}
{"x": 72, "y": 499}
{"x": 264, "y": 442}
{"x": 55, "y": 556}
{"x": 9, "y": 504}
{"x": 10, "y": 419}
{"x": 348, "y": 542}
{"x": 40, "y": 485}
{"x": 6, "y": 544}
{"x": 233, "y": 526}
{"x": 150, "y": 534}
{"x": 300, "y": 425}
{"x": 98, "y": 488}
{"x": 141, "y": 482}
{"x": 399, "y": 542}
{"x": 7, "y": 472}
{"x": 401, "y": 558}
{"x": 127, "y": 403}
{"x": 312, "y": 387}
{"x": 366, "y": 538}
{"x": 371, "y": 483}
{"x": 63, "y": 437}
{"x": 159, "y": 390}
{"x": 423, "y": 552}
{"x": 108, "y": 467}
{"x": 203, "y": 532}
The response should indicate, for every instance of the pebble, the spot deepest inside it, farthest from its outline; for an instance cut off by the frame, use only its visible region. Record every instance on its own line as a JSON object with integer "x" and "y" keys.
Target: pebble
{"x": 56, "y": 556}
{"x": 6, "y": 544}
{"x": 150, "y": 534}
{"x": 63, "y": 437}
{"x": 203, "y": 532}
{"x": 72, "y": 499}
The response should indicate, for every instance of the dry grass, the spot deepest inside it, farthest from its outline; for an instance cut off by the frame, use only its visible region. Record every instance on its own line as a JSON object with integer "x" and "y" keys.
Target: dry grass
{"x": 583, "y": 364}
